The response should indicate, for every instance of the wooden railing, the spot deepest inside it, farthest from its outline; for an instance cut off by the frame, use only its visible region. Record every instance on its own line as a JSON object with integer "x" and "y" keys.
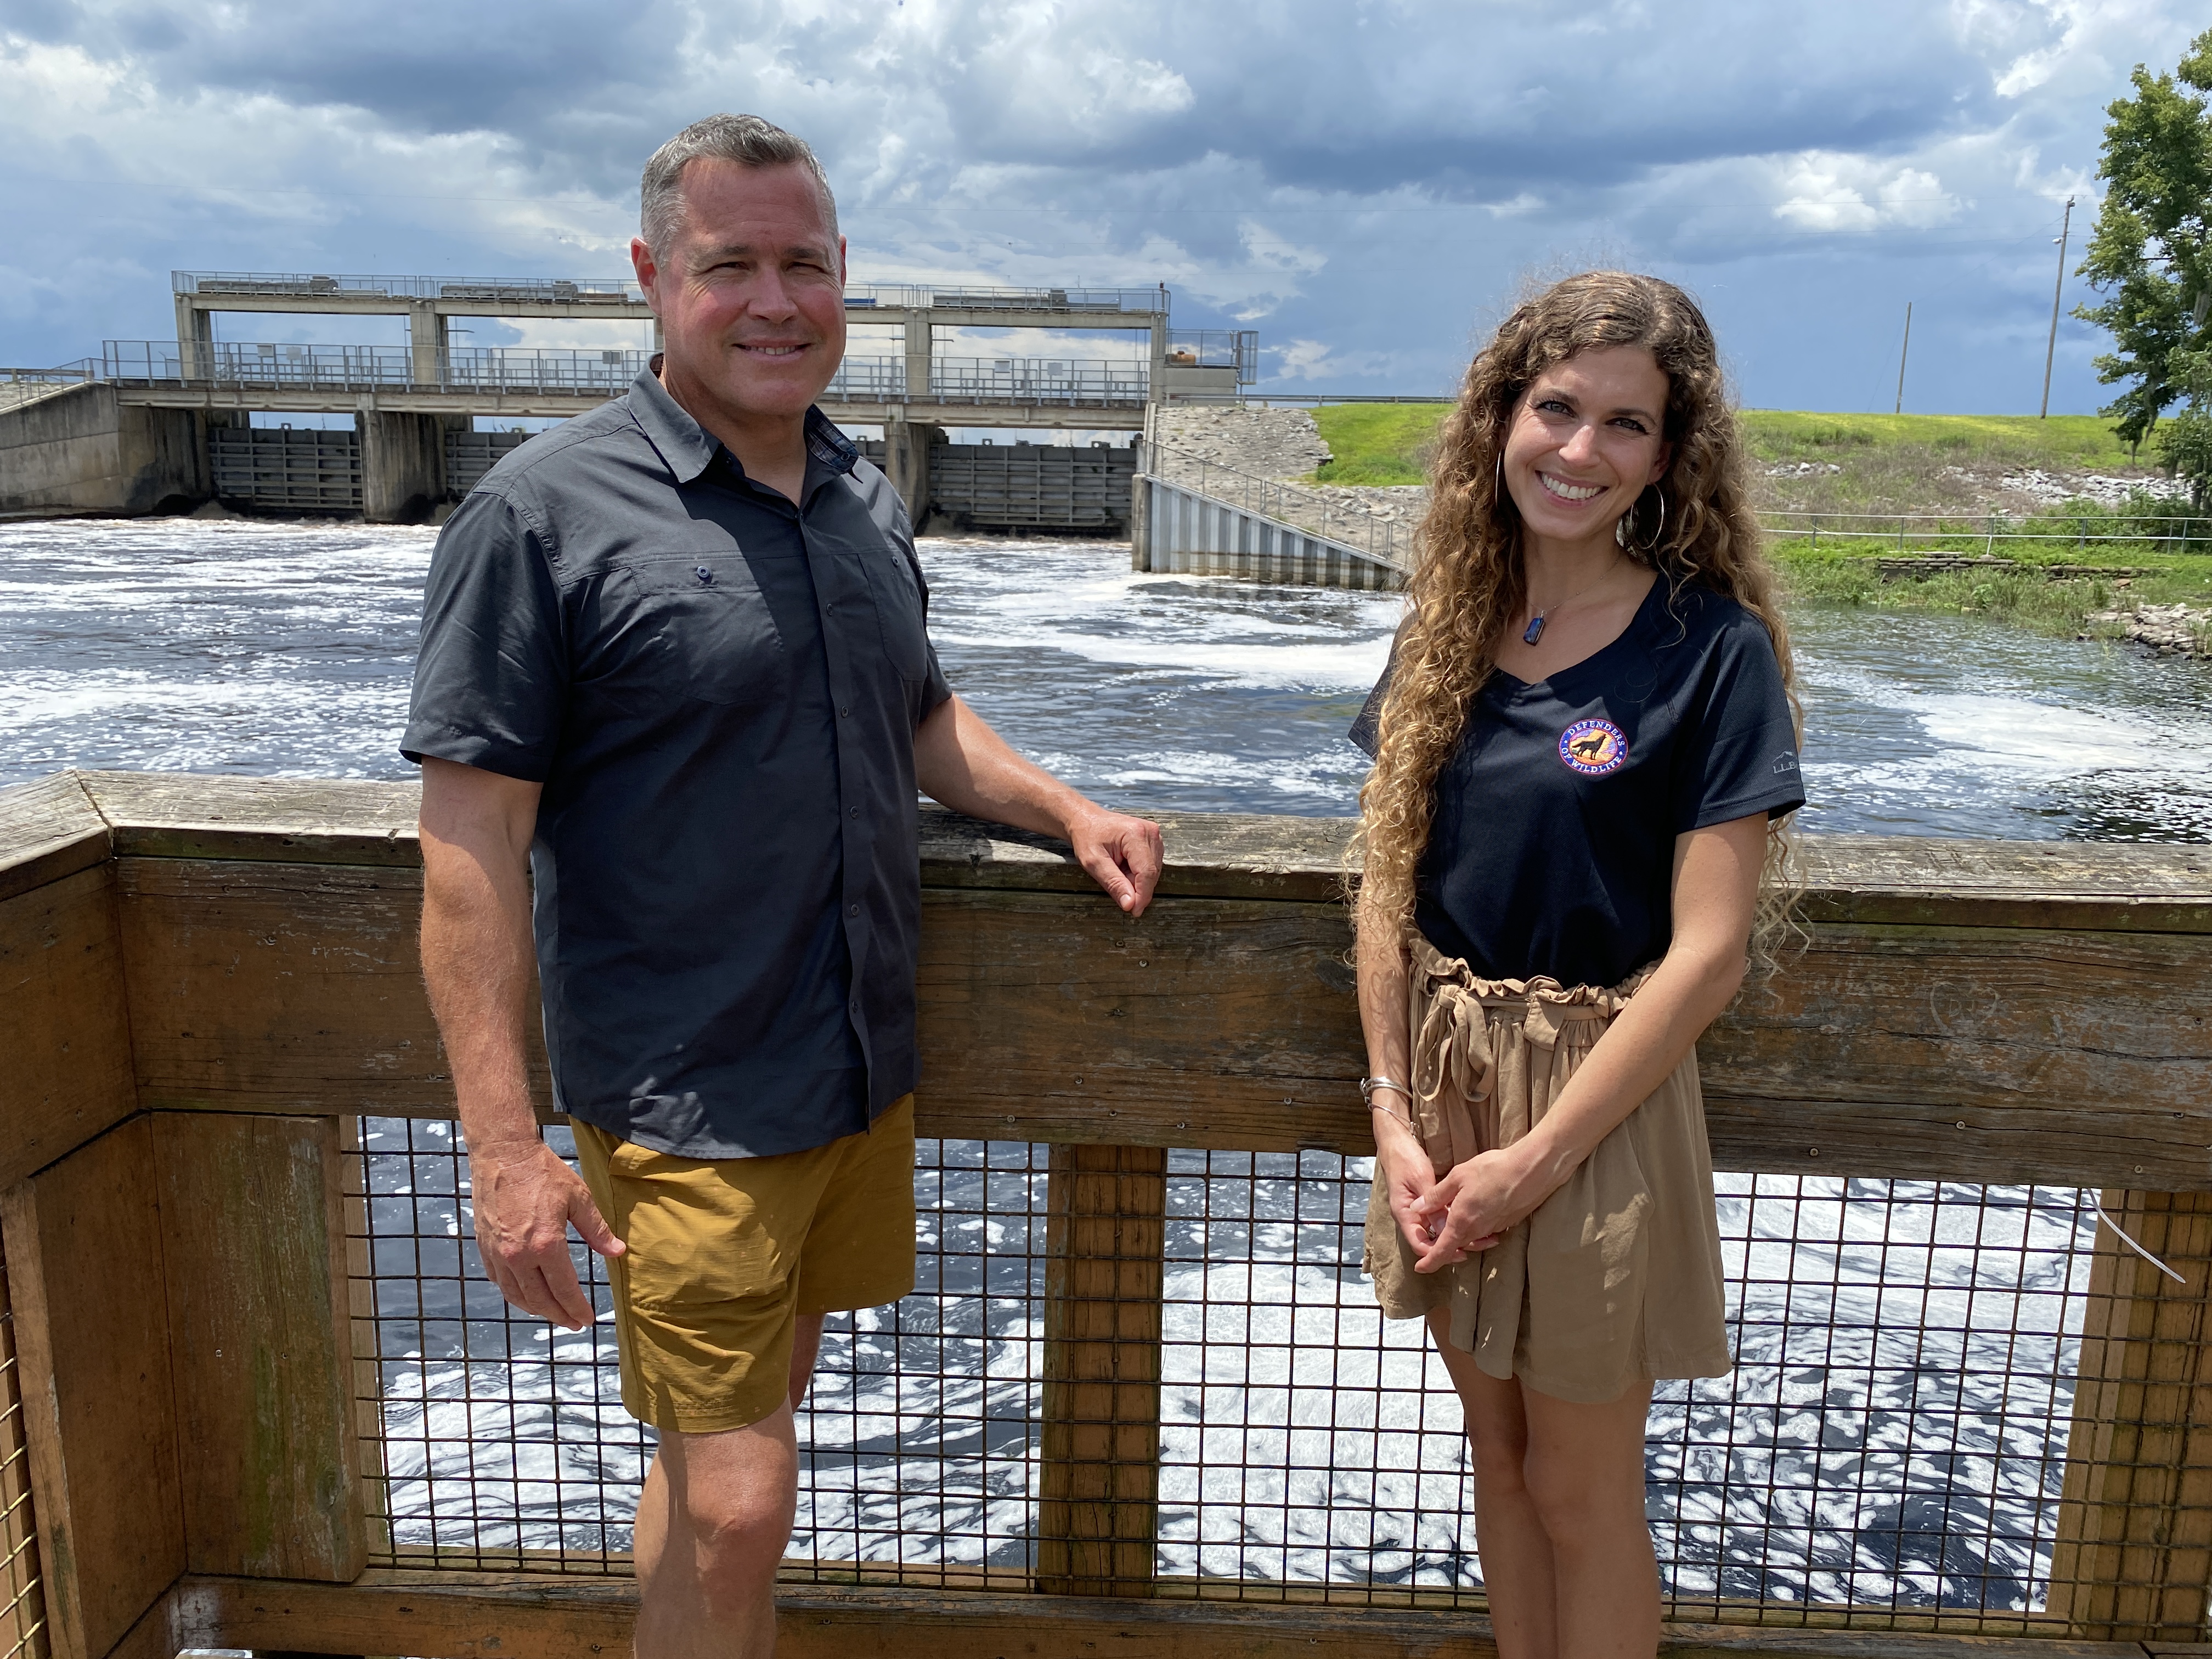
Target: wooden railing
{"x": 204, "y": 981}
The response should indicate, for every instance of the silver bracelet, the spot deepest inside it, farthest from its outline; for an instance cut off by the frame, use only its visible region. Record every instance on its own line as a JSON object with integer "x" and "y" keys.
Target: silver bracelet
{"x": 1369, "y": 1085}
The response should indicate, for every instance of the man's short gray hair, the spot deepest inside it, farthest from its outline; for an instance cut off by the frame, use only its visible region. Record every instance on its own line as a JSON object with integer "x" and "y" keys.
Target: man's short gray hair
{"x": 745, "y": 139}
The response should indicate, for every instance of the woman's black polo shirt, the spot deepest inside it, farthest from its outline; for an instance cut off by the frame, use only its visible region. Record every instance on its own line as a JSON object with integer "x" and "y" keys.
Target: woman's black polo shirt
{"x": 1554, "y": 845}
{"x": 718, "y": 690}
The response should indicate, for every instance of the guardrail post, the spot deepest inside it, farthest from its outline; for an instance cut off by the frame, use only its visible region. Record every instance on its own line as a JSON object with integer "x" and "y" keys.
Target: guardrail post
{"x": 2133, "y": 1556}
{"x": 1105, "y": 1240}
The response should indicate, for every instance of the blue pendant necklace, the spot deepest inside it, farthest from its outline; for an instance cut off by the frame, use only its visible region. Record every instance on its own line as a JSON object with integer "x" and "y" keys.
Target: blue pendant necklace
{"x": 1534, "y": 631}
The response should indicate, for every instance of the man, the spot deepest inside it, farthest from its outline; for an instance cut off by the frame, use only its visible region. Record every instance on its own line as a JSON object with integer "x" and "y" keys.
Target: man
{"x": 674, "y": 667}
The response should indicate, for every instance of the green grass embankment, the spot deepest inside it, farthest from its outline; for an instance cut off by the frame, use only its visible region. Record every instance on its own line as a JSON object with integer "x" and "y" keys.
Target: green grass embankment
{"x": 1891, "y": 464}
{"x": 1377, "y": 443}
{"x": 1388, "y": 444}
{"x": 1837, "y": 570}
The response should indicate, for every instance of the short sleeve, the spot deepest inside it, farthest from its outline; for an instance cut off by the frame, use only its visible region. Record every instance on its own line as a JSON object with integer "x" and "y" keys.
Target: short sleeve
{"x": 1366, "y": 733}
{"x": 935, "y": 687}
{"x": 491, "y": 676}
{"x": 1740, "y": 755}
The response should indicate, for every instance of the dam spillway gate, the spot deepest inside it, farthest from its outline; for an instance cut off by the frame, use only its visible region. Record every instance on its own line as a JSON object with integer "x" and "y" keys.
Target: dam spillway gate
{"x": 1010, "y": 487}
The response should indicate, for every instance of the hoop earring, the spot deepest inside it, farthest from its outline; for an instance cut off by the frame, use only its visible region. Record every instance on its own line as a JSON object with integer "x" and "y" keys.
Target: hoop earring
{"x": 1620, "y": 526}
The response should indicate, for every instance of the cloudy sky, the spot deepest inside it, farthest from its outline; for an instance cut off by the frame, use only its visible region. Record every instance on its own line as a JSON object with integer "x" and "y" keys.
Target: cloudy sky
{"x": 1363, "y": 183}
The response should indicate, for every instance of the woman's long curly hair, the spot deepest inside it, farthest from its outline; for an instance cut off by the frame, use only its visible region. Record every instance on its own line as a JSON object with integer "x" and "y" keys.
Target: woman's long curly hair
{"x": 1468, "y": 583}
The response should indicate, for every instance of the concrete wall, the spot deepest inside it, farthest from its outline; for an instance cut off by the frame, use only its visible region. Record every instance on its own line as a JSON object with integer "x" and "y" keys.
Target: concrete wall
{"x": 1178, "y": 532}
{"x": 83, "y": 450}
{"x": 403, "y": 465}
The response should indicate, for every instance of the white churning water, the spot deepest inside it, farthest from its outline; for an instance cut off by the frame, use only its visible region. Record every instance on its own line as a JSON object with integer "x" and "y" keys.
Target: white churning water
{"x": 1892, "y": 1430}
{"x": 284, "y": 649}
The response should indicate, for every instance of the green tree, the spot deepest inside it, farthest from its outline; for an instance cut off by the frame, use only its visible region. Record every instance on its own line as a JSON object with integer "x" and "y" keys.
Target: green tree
{"x": 2151, "y": 251}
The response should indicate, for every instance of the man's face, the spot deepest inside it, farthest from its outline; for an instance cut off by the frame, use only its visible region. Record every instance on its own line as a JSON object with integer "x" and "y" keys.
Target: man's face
{"x": 751, "y": 295}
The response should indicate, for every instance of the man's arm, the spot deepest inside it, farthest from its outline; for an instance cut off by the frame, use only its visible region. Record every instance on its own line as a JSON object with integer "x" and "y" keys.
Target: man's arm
{"x": 960, "y": 761}
{"x": 477, "y": 828}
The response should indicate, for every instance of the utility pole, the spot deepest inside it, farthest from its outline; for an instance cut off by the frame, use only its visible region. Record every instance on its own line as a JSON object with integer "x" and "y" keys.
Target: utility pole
{"x": 2050, "y": 349}
{"x": 1902, "y": 350}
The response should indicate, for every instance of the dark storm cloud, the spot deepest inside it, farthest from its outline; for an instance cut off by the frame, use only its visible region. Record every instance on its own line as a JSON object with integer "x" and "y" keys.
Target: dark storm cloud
{"x": 1466, "y": 102}
{"x": 1472, "y": 102}
{"x": 1360, "y": 178}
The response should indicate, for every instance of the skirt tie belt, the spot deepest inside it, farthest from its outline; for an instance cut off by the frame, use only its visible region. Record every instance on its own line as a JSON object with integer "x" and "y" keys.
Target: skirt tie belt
{"x": 1454, "y": 1064}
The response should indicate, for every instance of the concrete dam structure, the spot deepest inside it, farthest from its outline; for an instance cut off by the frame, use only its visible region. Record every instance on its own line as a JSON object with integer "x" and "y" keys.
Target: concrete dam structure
{"x": 164, "y": 425}
{"x": 985, "y": 486}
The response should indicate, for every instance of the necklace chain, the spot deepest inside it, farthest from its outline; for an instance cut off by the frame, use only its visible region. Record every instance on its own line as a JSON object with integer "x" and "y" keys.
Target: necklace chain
{"x": 1535, "y": 629}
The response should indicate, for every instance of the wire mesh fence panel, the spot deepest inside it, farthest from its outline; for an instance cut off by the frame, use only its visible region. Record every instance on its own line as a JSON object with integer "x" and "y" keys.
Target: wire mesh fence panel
{"x": 918, "y": 1442}
{"x": 1305, "y": 1440}
{"x": 503, "y": 1442}
{"x": 1894, "y": 1438}
{"x": 503, "y": 1439}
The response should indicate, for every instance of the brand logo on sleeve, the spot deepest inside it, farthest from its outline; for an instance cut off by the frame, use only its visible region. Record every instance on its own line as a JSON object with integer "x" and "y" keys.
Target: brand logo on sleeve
{"x": 1785, "y": 762}
{"x": 1594, "y": 748}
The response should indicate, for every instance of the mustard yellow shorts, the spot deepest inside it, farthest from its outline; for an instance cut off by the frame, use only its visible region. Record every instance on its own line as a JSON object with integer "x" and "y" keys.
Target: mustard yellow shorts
{"x": 727, "y": 1254}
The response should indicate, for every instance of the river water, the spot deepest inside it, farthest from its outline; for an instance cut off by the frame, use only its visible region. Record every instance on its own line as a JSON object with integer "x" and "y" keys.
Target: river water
{"x": 285, "y": 649}
{"x": 1893, "y": 1432}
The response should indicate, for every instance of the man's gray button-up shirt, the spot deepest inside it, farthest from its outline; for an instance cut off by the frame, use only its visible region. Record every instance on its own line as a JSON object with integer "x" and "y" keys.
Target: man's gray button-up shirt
{"x": 719, "y": 690}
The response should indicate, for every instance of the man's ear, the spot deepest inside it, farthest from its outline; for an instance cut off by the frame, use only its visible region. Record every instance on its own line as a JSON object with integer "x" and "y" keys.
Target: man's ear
{"x": 641, "y": 262}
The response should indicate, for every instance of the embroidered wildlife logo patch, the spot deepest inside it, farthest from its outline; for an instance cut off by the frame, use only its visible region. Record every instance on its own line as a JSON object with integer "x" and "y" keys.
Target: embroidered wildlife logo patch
{"x": 1594, "y": 748}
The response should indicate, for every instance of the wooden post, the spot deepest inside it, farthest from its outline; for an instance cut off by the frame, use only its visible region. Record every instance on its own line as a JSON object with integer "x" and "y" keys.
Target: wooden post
{"x": 261, "y": 1344}
{"x": 2133, "y": 1558}
{"x": 1105, "y": 1237}
{"x": 92, "y": 1332}
{"x": 23, "y": 1597}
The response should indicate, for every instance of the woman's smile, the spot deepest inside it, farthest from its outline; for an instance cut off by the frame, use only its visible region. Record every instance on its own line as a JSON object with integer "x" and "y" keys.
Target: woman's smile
{"x": 1566, "y": 490}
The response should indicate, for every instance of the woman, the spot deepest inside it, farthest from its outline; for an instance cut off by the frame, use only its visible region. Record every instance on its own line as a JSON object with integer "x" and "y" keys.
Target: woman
{"x": 1583, "y": 749}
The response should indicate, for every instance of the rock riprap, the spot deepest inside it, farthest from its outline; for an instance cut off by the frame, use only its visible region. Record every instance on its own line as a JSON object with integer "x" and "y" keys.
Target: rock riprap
{"x": 2168, "y": 630}
{"x": 1266, "y": 443}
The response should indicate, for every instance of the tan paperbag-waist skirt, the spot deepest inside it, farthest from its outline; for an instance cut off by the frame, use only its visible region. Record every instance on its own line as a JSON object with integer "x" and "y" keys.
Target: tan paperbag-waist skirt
{"x": 1616, "y": 1277}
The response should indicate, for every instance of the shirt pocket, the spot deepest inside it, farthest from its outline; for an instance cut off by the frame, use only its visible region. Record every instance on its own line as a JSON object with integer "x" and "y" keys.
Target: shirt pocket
{"x": 696, "y": 625}
{"x": 899, "y": 614}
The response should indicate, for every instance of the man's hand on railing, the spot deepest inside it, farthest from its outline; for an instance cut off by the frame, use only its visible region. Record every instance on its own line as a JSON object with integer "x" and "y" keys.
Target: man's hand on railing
{"x": 526, "y": 1198}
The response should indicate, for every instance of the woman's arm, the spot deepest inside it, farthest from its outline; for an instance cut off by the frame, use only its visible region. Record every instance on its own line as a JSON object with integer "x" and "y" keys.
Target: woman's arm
{"x": 1716, "y": 893}
{"x": 1401, "y": 1164}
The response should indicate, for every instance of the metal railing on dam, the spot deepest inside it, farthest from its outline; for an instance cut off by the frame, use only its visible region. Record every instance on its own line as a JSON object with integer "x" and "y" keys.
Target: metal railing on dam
{"x": 497, "y": 370}
{"x": 262, "y": 285}
{"x": 1141, "y": 1401}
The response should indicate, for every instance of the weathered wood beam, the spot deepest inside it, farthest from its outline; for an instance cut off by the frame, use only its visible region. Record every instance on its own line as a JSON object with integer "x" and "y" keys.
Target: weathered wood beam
{"x": 1099, "y": 1440}
{"x": 261, "y": 1344}
{"x": 461, "y": 1615}
{"x": 49, "y": 829}
{"x": 1934, "y": 881}
{"x": 65, "y": 1072}
{"x": 2133, "y": 1555}
{"x": 1976, "y": 1054}
{"x": 83, "y": 1248}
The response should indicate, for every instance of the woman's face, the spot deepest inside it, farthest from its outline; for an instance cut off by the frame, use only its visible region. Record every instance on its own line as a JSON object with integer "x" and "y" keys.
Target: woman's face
{"x": 1584, "y": 442}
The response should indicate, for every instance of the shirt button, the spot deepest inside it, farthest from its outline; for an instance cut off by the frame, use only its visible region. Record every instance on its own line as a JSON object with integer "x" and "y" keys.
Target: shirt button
{"x": 852, "y": 910}
{"x": 844, "y": 713}
{"x": 856, "y": 812}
